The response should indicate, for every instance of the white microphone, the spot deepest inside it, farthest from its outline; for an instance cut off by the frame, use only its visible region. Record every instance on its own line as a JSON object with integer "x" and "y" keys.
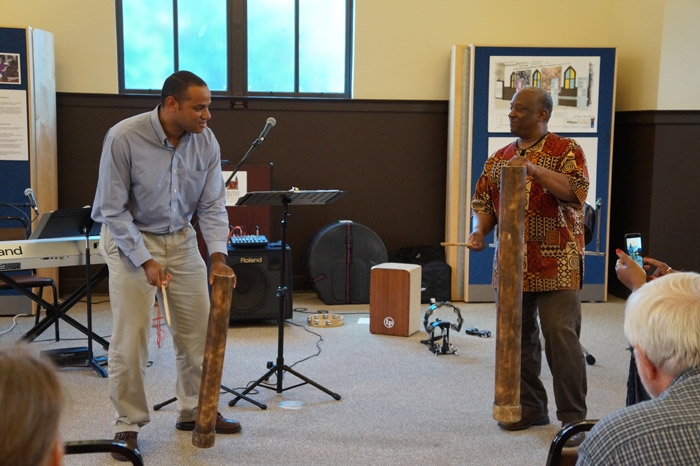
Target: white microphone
{"x": 30, "y": 194}
{"x": 269, "y": 124}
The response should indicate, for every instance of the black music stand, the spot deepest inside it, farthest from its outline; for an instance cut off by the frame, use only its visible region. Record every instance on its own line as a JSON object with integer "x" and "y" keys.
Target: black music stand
{"x": 69, "y": 223}
{"x": 285, "y": 198}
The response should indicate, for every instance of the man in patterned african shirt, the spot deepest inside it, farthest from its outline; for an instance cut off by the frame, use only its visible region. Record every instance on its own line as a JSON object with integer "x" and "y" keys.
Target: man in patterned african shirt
{"x": 556, "y": 189}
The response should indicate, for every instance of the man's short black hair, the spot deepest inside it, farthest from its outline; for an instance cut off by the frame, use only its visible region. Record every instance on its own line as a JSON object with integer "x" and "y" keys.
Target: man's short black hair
{"x": 544, "y": 99}
{"x": 177, "y": 83}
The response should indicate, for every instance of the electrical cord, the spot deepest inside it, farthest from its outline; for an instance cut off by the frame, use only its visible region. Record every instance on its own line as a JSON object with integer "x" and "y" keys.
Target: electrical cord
{"x": 254, "y": 391}
{"x": 14, "y": 323}
{"x": 318, "y": 345}
{"x": 303, "y": 310}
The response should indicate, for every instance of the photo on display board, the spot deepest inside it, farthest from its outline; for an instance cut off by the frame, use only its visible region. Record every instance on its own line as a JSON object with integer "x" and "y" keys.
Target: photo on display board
{"x": 9, "y": 68}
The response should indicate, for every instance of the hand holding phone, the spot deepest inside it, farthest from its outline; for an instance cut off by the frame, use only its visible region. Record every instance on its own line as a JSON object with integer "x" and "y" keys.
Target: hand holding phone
{"x": 629, "y": 272}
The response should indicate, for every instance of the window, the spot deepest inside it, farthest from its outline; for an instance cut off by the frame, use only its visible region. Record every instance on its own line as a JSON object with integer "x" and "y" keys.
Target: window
{"x": 537, "y": 79}
{"x": 293, "y": 48}
{"x": 570, "y": 78}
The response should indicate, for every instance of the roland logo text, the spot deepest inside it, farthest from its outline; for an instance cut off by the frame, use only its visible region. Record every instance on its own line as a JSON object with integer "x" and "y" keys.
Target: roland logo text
{"x": 251, "y": 260}
{"x": 11, "y": 251}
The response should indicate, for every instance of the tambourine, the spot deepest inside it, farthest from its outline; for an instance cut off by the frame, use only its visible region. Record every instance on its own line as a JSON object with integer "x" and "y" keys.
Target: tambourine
{"x": 325, "y": 320}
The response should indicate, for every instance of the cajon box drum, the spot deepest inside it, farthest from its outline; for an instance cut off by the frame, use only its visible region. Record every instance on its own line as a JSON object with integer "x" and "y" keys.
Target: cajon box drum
{"x": 394, "y": 303}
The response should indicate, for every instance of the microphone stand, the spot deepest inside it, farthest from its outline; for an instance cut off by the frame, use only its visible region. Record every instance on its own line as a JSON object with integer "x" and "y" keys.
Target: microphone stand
{"x": 252, "y": 147}
{"x": 16, "y": 206}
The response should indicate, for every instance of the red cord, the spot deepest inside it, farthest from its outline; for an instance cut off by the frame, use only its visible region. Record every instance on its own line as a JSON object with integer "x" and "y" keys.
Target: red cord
{"x": 157, "y": 321}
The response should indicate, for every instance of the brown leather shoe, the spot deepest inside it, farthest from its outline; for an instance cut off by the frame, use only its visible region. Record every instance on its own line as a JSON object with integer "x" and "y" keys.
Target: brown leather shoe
{"x": 223, "y": 425}
{"x": 524, "y": 423}
{"x": 129, "y": 438}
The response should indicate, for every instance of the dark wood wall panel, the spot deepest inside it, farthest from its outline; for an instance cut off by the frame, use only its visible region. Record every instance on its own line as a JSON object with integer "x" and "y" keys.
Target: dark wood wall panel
{"x": 656, "y": 188}
{"x": 388, "y": 155}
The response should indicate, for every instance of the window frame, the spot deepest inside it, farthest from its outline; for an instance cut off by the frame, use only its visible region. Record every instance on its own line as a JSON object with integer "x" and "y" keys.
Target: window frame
{"x": 237, "y": 54}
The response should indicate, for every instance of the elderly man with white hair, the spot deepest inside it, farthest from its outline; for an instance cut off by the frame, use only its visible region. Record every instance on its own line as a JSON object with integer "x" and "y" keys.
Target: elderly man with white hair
{"x": 662, "y": 325}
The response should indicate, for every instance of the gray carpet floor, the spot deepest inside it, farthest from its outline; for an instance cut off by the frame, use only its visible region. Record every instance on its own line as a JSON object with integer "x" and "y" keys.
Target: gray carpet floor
{"x": 401, "y": 404}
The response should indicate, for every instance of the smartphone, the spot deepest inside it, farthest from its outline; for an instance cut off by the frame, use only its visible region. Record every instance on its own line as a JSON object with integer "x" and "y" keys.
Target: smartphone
{"x": 634, "y": 247}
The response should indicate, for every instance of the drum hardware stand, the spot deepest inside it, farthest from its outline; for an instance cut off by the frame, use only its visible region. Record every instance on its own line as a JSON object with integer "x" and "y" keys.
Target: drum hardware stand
{"x": 432, "y": 342}
{"x": 285, "y": 198}
{"x": 92, "y": 362}
{"x": 446, "y": 347}
{"x": 156, "y": 407}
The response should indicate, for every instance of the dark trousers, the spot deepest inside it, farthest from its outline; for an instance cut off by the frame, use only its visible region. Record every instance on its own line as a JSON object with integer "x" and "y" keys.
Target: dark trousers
{"x": 560, "y": 320}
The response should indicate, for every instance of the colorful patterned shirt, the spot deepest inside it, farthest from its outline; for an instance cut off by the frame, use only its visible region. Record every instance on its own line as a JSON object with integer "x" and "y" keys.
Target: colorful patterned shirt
{"x": 662, "y": 431}
{"x": 554, "y": 242}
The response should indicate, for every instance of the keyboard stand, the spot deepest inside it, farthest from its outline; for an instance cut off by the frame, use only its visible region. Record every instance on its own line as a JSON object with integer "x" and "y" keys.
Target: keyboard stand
{"x": 67, "y": 223}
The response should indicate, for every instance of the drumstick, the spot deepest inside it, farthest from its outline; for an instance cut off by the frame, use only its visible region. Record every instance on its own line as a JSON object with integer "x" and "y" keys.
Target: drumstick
{"x": 165, "y": 304}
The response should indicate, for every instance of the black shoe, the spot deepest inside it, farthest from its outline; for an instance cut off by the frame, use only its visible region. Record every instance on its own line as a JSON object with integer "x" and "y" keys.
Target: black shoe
{"x": 129, "y": 438}
{"x": 223, "y": 425}
{"x": 524, "y": 423}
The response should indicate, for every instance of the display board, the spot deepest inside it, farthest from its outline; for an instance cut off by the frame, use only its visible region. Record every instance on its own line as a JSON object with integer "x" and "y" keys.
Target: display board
{"x": 27, "y": 130}
{"x": 581, "y": 82}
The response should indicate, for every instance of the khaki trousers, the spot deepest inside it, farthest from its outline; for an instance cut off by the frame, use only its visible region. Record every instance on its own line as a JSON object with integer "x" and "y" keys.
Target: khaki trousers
{"x": 132, "y": 300}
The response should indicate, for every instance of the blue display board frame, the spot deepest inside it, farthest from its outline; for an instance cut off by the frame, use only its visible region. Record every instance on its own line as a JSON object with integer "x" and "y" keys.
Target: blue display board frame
{"x": 15, "y": 175}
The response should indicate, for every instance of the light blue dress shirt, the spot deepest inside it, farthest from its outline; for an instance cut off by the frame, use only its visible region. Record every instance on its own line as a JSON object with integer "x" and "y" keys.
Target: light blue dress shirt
{"x": 146, "y": 184}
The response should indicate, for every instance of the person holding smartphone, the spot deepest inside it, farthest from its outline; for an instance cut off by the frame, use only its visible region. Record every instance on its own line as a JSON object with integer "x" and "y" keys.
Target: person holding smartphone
{"x": 662, "y": 327}
{"x": 633, "y": 276}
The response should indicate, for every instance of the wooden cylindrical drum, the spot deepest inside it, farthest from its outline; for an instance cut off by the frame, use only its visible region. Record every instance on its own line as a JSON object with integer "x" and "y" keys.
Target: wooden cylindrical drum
{"x": 215, "y": 349}
{"x": 511, "y": 241}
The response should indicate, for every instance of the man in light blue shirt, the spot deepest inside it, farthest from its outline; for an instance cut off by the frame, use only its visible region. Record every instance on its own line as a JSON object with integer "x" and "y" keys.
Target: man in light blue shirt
{"x": 156, "y": 170}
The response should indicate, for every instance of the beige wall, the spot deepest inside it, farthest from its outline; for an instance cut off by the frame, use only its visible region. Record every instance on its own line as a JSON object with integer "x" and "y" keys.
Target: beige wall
{"x": 680, "y": 61}
{"x": 410, "y": 58}
{"x": 402, "y": 46}
{"x": 636, "y": 31}
{"x": 84, "y": 38}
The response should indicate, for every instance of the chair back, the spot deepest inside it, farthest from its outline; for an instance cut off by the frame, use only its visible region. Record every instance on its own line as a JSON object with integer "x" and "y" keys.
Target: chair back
{"x": 103, "y": 446}
{"x": 555, "y": 456}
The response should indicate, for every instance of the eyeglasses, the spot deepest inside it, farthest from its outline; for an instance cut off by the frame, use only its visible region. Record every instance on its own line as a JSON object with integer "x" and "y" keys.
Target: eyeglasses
{"x": 630, "y": 348}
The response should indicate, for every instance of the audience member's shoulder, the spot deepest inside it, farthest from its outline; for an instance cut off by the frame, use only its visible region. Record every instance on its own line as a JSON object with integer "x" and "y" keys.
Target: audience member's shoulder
{"x": 618, "y": 427}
